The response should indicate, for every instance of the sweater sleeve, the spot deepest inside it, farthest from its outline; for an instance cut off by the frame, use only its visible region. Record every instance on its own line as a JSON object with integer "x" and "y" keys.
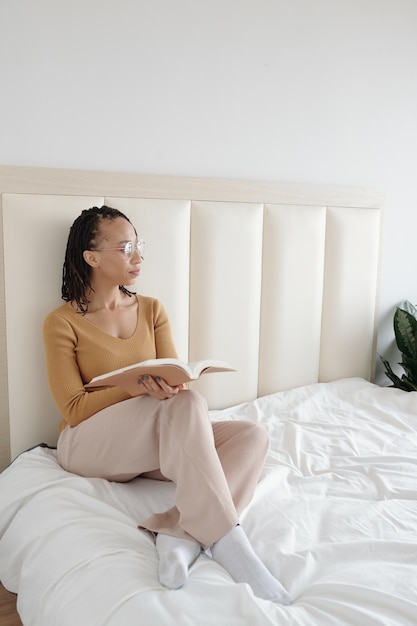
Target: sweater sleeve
{"x": 164, "y": 342}
{"x": 64, "y": 378}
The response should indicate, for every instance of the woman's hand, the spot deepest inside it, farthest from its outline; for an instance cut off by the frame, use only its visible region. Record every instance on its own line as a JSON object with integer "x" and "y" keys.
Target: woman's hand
{"x": 158, "y": 388}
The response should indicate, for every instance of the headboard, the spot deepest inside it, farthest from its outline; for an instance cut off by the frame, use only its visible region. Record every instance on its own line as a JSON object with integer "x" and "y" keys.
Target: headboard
{"x": 281, "y": 280}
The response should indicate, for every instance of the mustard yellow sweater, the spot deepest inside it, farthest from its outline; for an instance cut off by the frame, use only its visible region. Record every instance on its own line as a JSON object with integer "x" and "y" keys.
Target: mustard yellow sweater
{"x": 77, "y": 350}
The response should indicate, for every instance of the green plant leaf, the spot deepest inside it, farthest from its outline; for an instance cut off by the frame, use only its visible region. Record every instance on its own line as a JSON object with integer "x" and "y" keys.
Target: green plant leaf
{"x": 408, "y": 385}
{"x": 405, "y": 328}
{"x": 406, "y": 305}
{"x": 410, "y": 367}
{"x": 398, "y": 382}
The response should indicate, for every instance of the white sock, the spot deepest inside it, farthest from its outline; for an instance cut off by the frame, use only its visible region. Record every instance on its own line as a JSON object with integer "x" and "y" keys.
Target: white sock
{"x": 236, "y": 555}
{"x": 175, "y": 557}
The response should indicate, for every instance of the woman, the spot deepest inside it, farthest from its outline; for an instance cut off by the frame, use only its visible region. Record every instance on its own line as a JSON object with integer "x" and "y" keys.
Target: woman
{"x": 163, "y": 432}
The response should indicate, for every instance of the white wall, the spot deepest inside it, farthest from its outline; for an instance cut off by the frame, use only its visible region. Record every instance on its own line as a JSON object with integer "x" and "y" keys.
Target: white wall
{"x": 312, "y": 91}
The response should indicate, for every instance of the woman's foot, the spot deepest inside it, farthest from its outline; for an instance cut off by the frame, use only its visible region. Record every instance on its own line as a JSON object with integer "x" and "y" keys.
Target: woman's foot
{"x": 176, "y": 555}
{"x": 235, "y": 553}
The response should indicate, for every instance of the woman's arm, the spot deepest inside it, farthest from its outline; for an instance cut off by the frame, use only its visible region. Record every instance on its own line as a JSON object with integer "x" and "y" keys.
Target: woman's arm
{"x": 64, "y": 377}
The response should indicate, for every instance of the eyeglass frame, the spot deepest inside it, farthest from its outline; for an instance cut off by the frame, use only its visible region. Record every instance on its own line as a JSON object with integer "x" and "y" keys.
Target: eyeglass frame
{"x": 139, "y": 247}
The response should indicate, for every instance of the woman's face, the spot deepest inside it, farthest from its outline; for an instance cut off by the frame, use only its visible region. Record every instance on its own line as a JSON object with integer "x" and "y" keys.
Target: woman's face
{"x": 109, "y": 261}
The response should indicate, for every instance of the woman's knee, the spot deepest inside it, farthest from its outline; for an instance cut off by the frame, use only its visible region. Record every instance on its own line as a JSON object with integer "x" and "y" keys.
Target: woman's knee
{"x": 242, "y": 434}
{"x": 262, "y": 434}
{"x": 195, "y": 397}
{"x": 188, "y": 406}
{"x": 190, "y": 399}
{"x": 258, "y": 435}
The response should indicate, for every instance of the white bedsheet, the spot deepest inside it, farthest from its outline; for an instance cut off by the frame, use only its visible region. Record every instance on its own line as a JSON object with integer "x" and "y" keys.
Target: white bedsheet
{"x": 334, "y": 517}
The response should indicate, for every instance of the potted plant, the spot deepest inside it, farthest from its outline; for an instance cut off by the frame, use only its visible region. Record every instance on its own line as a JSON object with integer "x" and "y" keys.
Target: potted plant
{"x": 405, "y": 329}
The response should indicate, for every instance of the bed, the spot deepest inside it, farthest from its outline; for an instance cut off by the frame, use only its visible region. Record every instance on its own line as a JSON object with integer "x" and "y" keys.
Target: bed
{"x": 296, "y": 267}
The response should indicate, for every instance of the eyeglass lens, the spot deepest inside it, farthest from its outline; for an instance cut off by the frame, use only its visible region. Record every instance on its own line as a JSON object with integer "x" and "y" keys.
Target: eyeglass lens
{"x": 131, "y": 247}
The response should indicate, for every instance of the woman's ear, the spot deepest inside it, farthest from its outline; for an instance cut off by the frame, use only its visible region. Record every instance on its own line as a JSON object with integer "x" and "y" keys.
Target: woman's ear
{"x": 90, "y": 258}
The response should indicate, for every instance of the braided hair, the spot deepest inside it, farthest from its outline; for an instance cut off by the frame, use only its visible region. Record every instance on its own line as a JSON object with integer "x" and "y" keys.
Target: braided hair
{"x": 76, "y": 273}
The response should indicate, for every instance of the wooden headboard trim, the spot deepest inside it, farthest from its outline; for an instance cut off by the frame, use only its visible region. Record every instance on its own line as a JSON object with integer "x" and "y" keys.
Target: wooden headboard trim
{"x": 23, "y": 179}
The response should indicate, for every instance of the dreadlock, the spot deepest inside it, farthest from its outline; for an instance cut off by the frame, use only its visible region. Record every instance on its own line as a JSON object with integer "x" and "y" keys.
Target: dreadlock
{"x": 76, "y": 273}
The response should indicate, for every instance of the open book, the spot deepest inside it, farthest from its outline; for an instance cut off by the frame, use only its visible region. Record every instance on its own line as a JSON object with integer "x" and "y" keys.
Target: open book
{"x": 173, "y": 371}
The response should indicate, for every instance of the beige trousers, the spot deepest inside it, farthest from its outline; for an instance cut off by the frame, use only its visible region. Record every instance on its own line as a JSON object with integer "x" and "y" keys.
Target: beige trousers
{"x": 214, "y": 465}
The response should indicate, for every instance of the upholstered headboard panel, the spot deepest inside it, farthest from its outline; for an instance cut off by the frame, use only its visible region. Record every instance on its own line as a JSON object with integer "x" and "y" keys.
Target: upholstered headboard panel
{"x": 280, "y": 280}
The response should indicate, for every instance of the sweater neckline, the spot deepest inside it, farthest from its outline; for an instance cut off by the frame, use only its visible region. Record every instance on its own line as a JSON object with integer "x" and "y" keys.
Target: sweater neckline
{"x": 91, "y": 324}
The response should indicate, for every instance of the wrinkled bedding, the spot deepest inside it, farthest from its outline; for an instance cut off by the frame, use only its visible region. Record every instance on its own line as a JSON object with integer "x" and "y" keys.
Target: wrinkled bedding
{"x": 334, "y": 517}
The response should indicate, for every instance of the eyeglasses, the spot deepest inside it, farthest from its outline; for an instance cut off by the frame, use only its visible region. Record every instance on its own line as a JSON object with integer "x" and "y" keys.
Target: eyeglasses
{"x": 128, "y": 249}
